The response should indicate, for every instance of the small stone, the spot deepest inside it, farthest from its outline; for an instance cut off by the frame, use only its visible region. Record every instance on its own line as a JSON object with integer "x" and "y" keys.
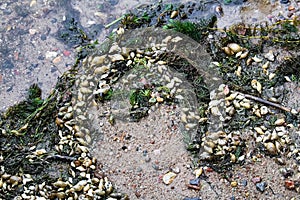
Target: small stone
{"x": 66, "y": 53}
{"x": 193, "y": 198}
{"x": 116, "y": 57}
{"x": 156, "y": 167}
{"x": 271, "y": 148}
{"x": 137, "y": 194}
{"x": 195, "y": 181}
{"x": 264, "y": 110}
{"x": 159, "y": 99}
{"x": 32, "y": 3}
{"x": 279, "y": 122}
{"x": 174, "y": 14}
{"x": 270, "y": 56}
{"x": 256, "y": 179}
{"x": 208, "y": 169}
{"x": 14, "y": 180}
{"x": 261, "y": 186}
{"x": 32, "y": 31}
{"x": 51, "y": 54}
{"x": 43, "y": 37}
{"x": 56, "y": 60}
{"x": 244, "y": 183}
{"x": 198, "y": 172}
{"x": 280, "y": 161}
{"x": 284, "y": 1}
{"x": 257, "y": 59}
{"x": 290, "y": 8}
{"x": 176, "y": 170}
{"x": 145, "y": 153}
{"x": 147, "y": 159}
{"x": 286, "y": 172}
{"x": 168, "y": 178}
{"x": 289, "y": 184}
{"x": 233, "y": 184}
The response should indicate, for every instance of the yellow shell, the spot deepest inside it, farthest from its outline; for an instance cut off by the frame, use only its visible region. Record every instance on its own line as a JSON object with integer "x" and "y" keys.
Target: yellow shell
{"x": 235, "y": 47}
{"x": 228, "y": 51}
{"x": 279, "y": 122}
{"x": 174, "y": 14}
{"x": 256, "y": 85}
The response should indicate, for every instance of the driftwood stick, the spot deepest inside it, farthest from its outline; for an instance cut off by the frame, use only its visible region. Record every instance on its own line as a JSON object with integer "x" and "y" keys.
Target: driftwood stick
{"x": 114, "y": 22}
{"x": 248, "y": 96}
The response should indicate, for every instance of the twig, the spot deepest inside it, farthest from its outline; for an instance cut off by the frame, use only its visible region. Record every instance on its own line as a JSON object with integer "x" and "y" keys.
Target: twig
{"x": 61, "y": 157}
{"x": 115, "y": 21}
{"x": 266, "y": 102}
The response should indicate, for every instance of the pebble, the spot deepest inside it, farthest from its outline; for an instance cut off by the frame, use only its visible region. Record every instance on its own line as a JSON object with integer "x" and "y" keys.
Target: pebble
{"x": 145, "y": 153}
{"x": 289, "y": 184}
{"x": 168, "y": 178}
{"x": 261, "y": 186}
{"x": 280, "y": 161}
{"x": 193, "y": 198}
{"x": 43, "y": 37}
{"x": 66, "y": 53}
{"x": 32, "y": 31}
{"x": 198, "y": 172}
{"x": 195, "y": 181}
{"x": 51, "y": 54}
{"x": 156, "y": 167}
{"x": 256, "y": 179}
{"x": 284, "y": 1}
{"x": 233, "y": 184}
{"x": 270, "y": 56}
{"x": 286, "y": 172}
{"x": 14, "y": 179}
{"x": 244, "y": 183}
{"x": 176, "y": 170}
{"x": 56, "y": 60}
{"x": 147, "y": 159}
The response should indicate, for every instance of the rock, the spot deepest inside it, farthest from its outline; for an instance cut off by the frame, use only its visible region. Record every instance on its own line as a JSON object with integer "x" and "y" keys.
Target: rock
{"x": 284, "y": 1}
{"x": 244, "y": 183}
{"x": 270, "y": 56}
{"x": 56, "y": 60}
{"x": 116, "y": 57}
{"x": 256, "y": 179}
{"x": 195, "y": 181}
{"x": 32, "y": 31}
{"x": 289, "y": 184}
{"x": 14, "y": 180}
{"x": 198, "y": 172}
{"x": 174, "y": 14}
{"x": 147, "y": 159}
{"x": 66, "y": 53}
{"x": 264, "y": 110}
{"x": 168, "y": 178}
{"x": 193, "y": 198}
{"x": 286, "y": 172}
{"x": 51, "y": 54}
{"x": 233, "y": 184}
{"x": 279, "y": 122}
{"x": 176, "y": 170}
{"x": 98, "y": 60}
{"x": 261, "y": 186}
